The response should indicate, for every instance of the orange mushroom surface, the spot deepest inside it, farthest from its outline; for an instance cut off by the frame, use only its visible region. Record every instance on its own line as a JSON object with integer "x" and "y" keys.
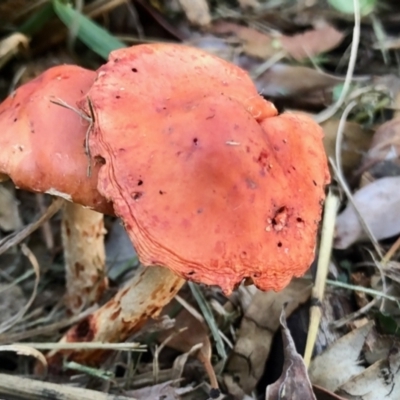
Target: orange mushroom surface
{"x": 207, "y": 178}
{"x": 42, "y": 145}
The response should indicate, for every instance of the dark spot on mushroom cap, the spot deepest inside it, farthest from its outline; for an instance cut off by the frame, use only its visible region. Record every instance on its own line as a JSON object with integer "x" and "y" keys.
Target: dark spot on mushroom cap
{"x": 280, "y": 218}
{"x": 100, "y": 160}
{"x": 136, "y": 195}
{"x": 251, "y": 184}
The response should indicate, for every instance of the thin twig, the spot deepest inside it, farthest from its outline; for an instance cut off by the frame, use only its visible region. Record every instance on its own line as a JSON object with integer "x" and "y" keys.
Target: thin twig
{"x": 17, "y": 237}
{"x": 6, "y": 325}
{"x": 363, "y": 289}
{"x": 47, "y": 329}
{"x": 350, "y": 317}
{"x": 330, "y": 111}
{"x": 86, "y": 346}
{"x": 31, "y": 389}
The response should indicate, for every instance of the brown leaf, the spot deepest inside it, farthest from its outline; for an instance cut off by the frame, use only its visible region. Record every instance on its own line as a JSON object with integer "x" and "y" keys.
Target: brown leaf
{"x": 379, "y": 204}
{"x": 356, "y": 141}
{"x": 187, "y": 333}
{"x": 386, "y": 138}
{"x": 11, "y": 45}
{"x": 324, "y": 394}
{"x": 312, "y": 43}
{"x": 197, "y": 11}
{"x": 293, "y": 383}
{"x": 382, "y": 158}
{"x": 340, "y": 362}
{"x": 263, "y": 45}
{"x": 379, "y": 381}
{"x": 378, "y": 346}
{"x": 260, "y": 322}
{"x": 255, "y": 43}
{"x": 249, "y": 3}
{"x": 283, "y": 80}
{"x": 164, "y": 390}
{"x": 9, "y": 215}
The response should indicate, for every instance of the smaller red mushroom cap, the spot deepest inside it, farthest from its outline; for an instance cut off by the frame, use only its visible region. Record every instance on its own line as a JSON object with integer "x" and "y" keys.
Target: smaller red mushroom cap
{"x": 207, "y": 178}
{"x": 42, "y": 145}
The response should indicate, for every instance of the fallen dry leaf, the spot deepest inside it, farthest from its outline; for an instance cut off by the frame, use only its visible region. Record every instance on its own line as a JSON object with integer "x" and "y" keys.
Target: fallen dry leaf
{"x": 9, "y": 214}
{"x": 254, "y": 42}
{"x": 12, "y": 300}
{"x": 379, "y": 381}
{"x": 12, "y": 45}
{"x": 356, "y": 142}
{"x": 378, "y": 346}
{"x": 165, "y": 391}
{"x": 340, "y": 362}
{"x": 382, "y": 159}
{"x": 324, "y": 394}
{"x": 265, "y": 45}
{"x": 188, "y": 332}
{"x": 379, "y": 204}
{"x": 249, "y": 3}
{"x": 26, "y": 350}
{"x": 385, "y": 140}
{"x": 294, "y": 383}
{"x": 260, "y": 322}
{"x": 197, "y": 11}
{"x": 283, "y": 80}
{"x": 311, "y": 43}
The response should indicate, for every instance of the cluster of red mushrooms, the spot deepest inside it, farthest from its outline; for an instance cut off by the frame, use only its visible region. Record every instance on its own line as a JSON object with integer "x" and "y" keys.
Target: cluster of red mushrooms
{"x": 211, "y": 184}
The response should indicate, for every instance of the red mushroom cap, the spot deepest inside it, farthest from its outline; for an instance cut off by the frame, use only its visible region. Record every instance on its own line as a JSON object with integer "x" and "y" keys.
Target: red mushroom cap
{"x": 42, "y": 145}
{"x": 208, "y": 181}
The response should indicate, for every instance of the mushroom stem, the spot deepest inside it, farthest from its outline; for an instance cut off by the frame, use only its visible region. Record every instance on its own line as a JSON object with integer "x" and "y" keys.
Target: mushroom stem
{"x": 144, "y": 296}
{"x": 83, "y": 240}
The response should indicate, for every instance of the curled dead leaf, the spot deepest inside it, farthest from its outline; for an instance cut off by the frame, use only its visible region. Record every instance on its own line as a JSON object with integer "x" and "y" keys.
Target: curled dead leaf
{"x": 340, "y": 362}
{"x": 312, "y": 43}
{"x": 379, "y": 204}
{"x": 11, "y": 45}
{"x": 294, "y": 383}
{"x": 356, "y": 142}
{"x": 257, "y": 329}
{"x": 262, "y": 45}
{"x": 197, "y": 11}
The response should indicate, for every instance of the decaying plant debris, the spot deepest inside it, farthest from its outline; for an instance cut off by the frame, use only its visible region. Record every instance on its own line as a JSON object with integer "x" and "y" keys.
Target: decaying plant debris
{"x": 336, "y": 62}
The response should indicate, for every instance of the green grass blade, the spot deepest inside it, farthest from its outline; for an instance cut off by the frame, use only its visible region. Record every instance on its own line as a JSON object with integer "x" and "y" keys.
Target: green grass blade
{"x": 209, "y": 318}
{"x": 36, "y": 22}
{"x": 93, "y": 35}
